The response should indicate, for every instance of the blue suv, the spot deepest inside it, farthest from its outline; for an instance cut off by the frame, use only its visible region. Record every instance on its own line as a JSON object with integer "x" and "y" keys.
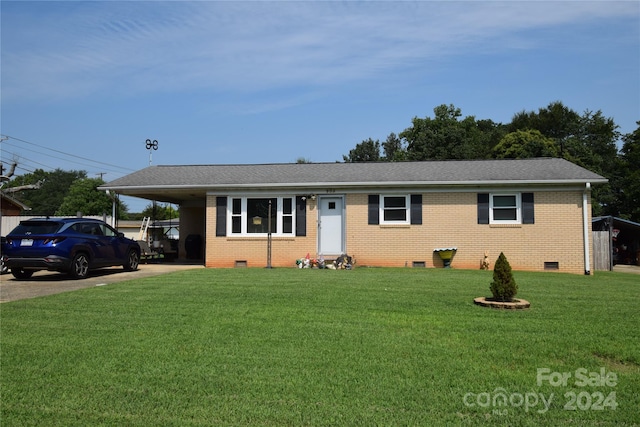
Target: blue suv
{"x": 69, "y": 245}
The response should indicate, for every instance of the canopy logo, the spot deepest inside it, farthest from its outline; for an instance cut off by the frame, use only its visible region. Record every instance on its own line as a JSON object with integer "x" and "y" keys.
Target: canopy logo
{"x": 500, "y": 400}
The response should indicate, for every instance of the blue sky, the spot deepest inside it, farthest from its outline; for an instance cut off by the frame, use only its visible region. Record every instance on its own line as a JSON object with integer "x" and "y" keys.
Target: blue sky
{"x": 84, "y": 84}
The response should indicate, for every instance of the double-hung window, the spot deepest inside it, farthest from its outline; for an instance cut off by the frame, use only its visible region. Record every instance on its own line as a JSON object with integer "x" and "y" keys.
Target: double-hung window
{"x": 254, "y": 215}
{"x": 287, "y": 215}
{"x": 394, "y": 209}
{"x": 504, "y": 209}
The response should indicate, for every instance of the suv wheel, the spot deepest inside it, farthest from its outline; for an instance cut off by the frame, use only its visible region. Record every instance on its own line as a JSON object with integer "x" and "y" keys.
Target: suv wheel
{"x": 133, "y": 259}
{"x": 21, "y": 273}
{"x": 79, "y": 266}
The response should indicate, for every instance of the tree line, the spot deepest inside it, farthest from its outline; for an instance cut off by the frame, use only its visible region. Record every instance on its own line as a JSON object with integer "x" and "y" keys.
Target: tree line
{"x": 65, "y": 193}
{"x": 588, "y": 139}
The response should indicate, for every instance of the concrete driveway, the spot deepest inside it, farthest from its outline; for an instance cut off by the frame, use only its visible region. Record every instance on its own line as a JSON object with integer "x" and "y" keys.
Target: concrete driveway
{"x": 635, "y": 269}
{"x": 47, "y": 282}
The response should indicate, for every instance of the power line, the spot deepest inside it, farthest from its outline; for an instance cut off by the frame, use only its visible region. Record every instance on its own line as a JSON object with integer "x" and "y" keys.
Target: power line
{"x": 68, "y": 154}
{"x": 22, "y": 159}
{"x": 28, "y": 160}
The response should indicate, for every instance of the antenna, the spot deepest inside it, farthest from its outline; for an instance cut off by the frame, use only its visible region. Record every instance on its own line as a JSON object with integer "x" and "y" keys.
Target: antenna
{"x": 151, "y": 145}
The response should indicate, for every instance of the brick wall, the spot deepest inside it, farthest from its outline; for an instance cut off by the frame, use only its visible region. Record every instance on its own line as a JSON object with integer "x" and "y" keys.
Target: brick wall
{"x": 448, "y": 219}
{"x": 228, "y": 251}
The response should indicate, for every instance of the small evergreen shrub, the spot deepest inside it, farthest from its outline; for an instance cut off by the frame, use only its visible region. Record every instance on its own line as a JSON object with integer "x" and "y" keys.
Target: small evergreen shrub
{"x": 504, "y": 286}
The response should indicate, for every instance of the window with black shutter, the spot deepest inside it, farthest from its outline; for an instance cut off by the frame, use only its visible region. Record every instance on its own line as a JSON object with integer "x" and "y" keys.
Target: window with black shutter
{"x": 221, "y": 216}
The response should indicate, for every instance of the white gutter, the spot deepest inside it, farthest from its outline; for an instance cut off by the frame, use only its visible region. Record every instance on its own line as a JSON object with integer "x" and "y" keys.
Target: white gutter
{"x": 585, "y": 221}
{"x": 331, "y": 184}
{"x": 113, "y": 208}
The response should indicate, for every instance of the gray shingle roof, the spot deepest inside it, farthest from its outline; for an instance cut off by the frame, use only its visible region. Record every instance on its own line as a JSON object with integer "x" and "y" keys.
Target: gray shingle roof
{"x": 453, "y": 172}
{"x": 181, "y": 183}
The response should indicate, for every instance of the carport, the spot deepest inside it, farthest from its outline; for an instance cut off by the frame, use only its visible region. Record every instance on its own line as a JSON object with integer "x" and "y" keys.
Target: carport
{"x": 154, "y": 184}
{"x": 615, "y": 241}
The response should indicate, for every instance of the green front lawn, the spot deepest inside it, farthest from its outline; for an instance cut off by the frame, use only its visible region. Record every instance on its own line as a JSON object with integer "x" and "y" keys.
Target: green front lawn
{"x": 290, "y": 347}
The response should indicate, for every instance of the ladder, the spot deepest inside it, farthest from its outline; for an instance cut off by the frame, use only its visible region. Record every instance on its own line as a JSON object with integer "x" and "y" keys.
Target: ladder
{"x": 143, "y": 228}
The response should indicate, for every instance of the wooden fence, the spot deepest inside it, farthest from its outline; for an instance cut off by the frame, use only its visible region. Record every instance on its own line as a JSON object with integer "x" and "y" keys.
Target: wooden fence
{"x": 601, "y": 250}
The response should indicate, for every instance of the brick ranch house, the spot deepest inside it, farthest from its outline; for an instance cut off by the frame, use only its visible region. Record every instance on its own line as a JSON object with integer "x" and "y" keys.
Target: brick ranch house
{"x": 536, "y": 211}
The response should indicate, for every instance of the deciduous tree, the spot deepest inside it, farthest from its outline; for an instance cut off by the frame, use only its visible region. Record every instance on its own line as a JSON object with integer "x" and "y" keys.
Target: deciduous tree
{"x": 446, "y": 136}
{"x": 54, "y": 187}
{"x": 588, "y": 140}
{"x": 394, "y": 150}
{"x": 84, "y": 197}
{"x": 160, "y": 211}
{"x": 523, "y": 144}
{"x": 367, "y": 151}
{"x": 630, "y": 203}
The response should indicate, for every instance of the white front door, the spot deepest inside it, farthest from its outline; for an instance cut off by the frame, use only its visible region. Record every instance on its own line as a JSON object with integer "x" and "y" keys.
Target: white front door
{"x": 330, "y": 225}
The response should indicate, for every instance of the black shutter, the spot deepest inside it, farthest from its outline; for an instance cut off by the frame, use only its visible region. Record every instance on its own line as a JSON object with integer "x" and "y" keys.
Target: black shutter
{"x": 483, "y": 208}
{"x": 416, "y": 209}
{"x": 301, "y": 216}
{"x": 374, "y": 209}
{"x": 221, "y": 216}
{"x": 527, "y": 208}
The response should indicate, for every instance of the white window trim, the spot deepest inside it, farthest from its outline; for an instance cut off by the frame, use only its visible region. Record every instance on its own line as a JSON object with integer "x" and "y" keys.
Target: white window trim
{"x": 518, "y": 207}
{"x": 407, "y": 207}
{"x": 243, "y": 216}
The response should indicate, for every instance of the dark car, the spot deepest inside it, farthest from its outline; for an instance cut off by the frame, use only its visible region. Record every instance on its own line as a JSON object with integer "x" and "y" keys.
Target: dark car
{"x": 69, "y": 245}
{"x": 3, "y": 268}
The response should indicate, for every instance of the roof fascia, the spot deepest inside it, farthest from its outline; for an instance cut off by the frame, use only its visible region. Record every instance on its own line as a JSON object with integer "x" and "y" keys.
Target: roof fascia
{"x": 348, "y": 185}
{"x": 248, "y": 192}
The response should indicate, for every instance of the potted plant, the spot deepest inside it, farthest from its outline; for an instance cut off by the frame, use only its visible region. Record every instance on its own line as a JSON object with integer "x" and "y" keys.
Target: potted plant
{"x": 446, "y": 255}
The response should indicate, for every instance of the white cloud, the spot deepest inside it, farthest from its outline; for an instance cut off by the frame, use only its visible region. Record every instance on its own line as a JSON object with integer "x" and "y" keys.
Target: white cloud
{"x": 70, "y": 50}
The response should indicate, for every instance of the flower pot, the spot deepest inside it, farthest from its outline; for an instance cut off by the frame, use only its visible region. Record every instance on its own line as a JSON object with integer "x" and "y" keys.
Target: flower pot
{"x": 446, "y": 255}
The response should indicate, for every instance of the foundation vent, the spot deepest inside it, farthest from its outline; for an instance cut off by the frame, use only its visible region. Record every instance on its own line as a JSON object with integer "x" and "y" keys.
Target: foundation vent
{"x": 551, "y": 265}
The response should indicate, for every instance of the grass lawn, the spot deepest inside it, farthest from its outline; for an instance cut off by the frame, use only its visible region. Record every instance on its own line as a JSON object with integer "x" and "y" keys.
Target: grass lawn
{"x": 290, "y": 347}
